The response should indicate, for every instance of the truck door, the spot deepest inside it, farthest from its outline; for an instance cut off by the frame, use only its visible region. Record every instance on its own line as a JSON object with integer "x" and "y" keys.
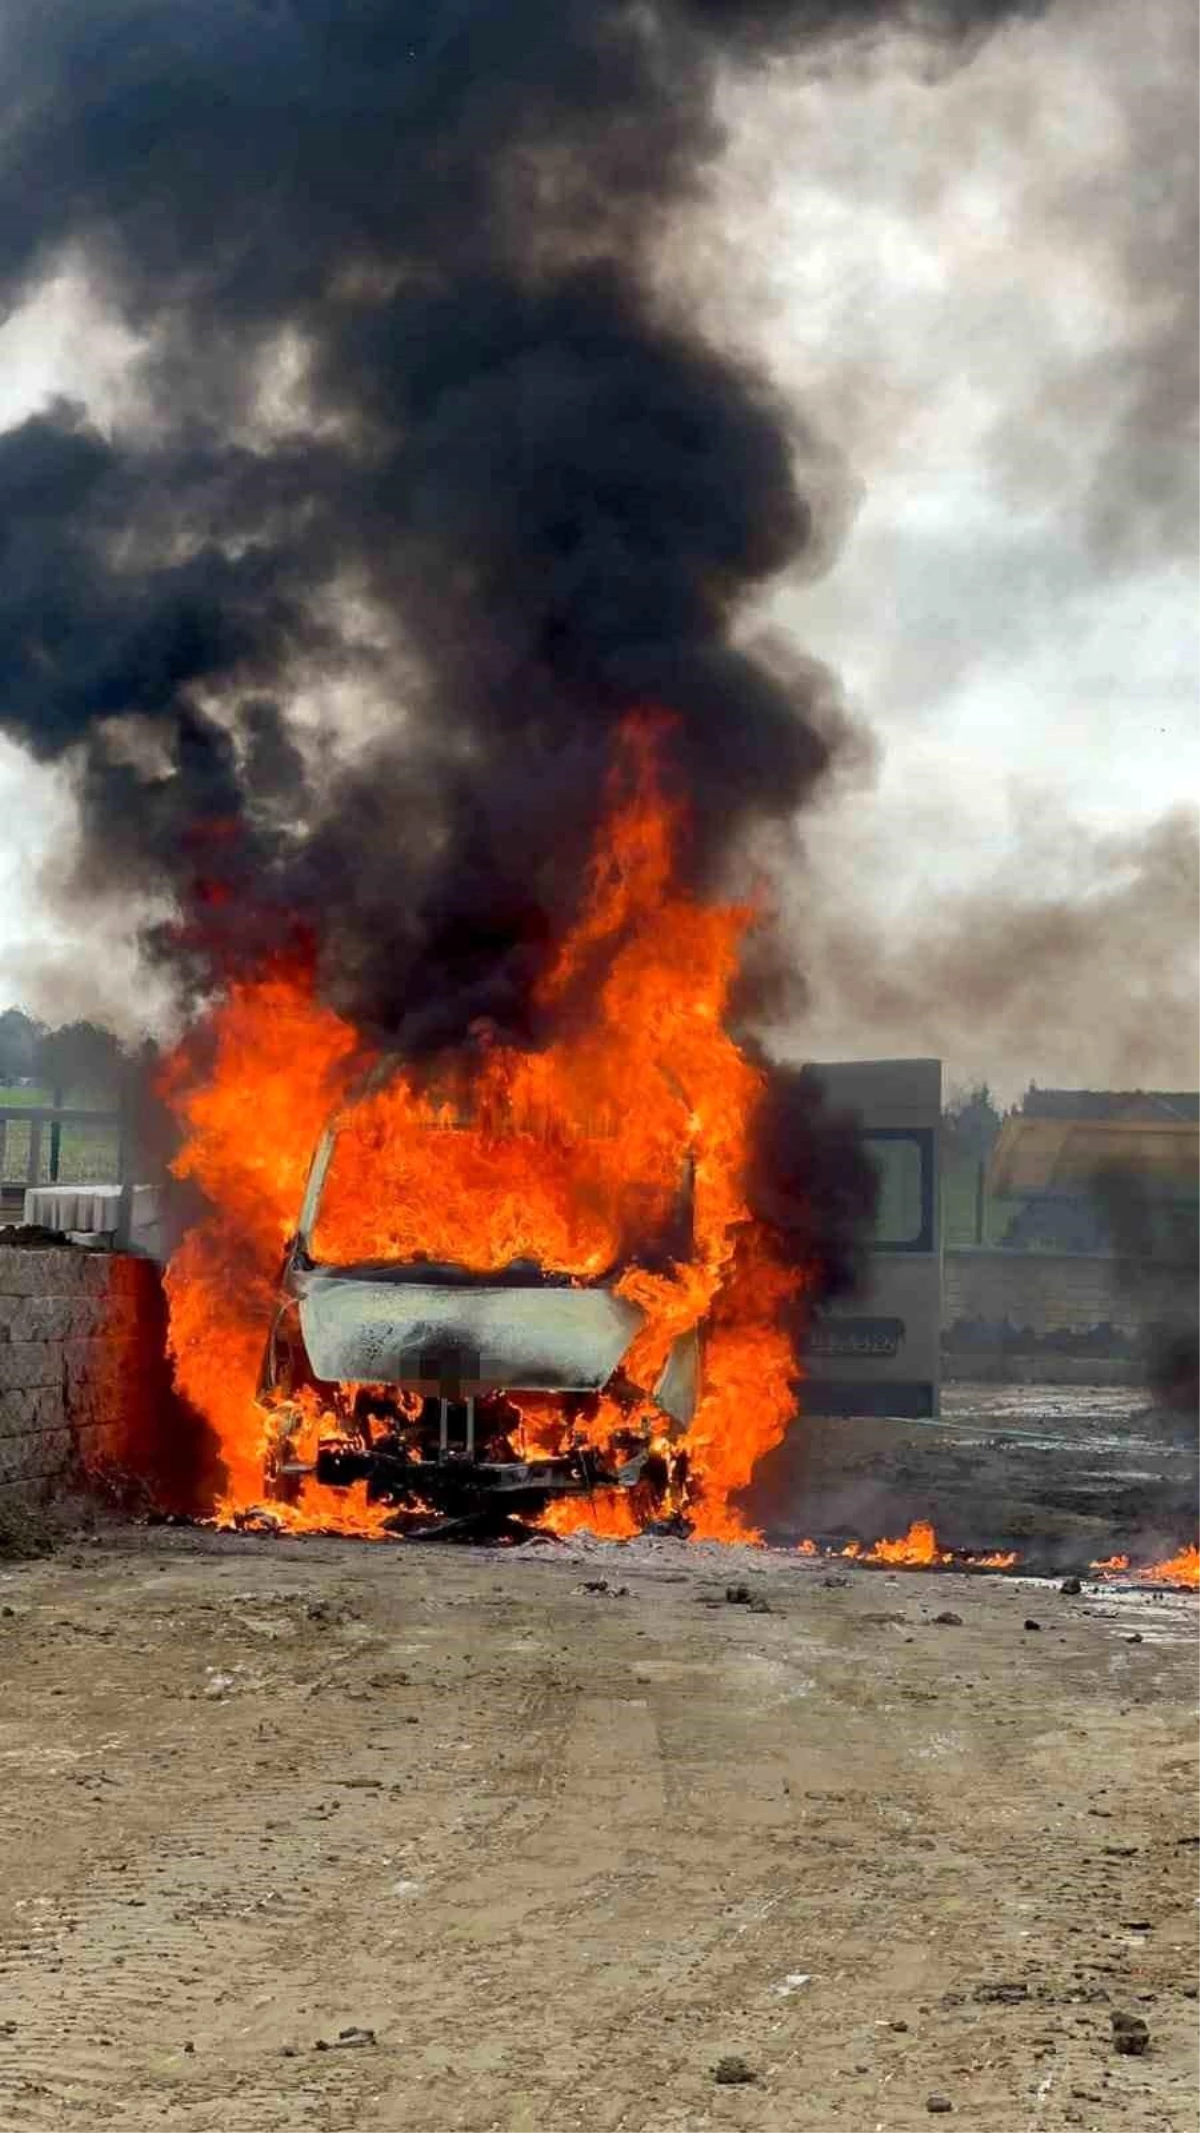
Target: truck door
{"x": 879, "y": 1353}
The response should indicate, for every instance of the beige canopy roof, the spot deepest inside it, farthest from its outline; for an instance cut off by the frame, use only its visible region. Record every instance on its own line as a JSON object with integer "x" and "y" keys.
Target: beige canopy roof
{"x": 1062, "y": 1155}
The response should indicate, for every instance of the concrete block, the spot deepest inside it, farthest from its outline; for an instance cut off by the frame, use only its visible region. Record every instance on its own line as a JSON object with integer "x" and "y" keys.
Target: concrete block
{"x": 25, "y": 1363}
{"x": 137, "y": 1279}
{"x": 57, "y": 1271}
{"x": 101, "y": 1359}
{"x": 70, "y": 1271}
{"x": 53, "y": 1318}
{"x": 105, "y": 1274}
{"x": 32, "y": 1407}
{"x": 98, "y": 1441}
{"x": 40, "y": 1453}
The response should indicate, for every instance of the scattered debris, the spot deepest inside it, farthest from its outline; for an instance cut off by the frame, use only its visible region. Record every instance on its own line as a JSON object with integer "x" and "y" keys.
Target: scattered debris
{"x": 938, "y": 2103}
{"x": 333, "y": 1612}
{"x": 949, "y": 1618}
{"x": 733, "y": 2072}
{"x": 1071, "y": 1586}
{"x": 834, "y": 1581}
{"x": 1030, "y": 1623}
{"x": 346, "y": 2040}
{"x": 900, "y": 2027}
{"x": 1003, "y": 1994}
{"x": 1130, "y": 2035}
{"x": 25, "y": 1532}
{"x": 33, "y": 1237}
{"x": 792, "y": 1983}
{"x": 1135, "y": 1637}
{"x": 601, "y": 1585}
{"x": 742, "y": 1596}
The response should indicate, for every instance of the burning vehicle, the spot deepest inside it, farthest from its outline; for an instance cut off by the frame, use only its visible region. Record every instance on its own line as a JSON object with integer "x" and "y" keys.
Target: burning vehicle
{"x": 522, "y": 1271}
{"x": 470, "y": 1396}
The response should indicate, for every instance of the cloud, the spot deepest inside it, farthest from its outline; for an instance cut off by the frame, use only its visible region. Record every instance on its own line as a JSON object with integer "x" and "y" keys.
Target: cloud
{"x": 1069, "y": 960}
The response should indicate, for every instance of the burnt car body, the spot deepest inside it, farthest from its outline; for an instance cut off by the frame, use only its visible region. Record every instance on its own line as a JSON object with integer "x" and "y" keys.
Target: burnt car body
{"x": 419, "y": 1370}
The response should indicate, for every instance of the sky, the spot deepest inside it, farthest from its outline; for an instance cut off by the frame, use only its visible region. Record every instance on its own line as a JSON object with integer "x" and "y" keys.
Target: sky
{"x": 977, "y": 291}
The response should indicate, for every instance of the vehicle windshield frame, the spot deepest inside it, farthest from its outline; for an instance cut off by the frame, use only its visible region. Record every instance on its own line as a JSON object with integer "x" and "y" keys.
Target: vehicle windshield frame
{"x": 518, "y": 1273}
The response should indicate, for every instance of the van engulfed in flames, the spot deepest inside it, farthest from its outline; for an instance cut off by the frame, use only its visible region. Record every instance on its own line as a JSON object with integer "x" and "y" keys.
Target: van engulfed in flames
{"x": 473, "y": 1395}
{"x": 518, "y": 1274}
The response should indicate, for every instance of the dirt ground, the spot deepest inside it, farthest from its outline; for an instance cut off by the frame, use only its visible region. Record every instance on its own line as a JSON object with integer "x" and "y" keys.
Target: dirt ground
{"x": 561, "y": 1850}
{"x": 1064, "y": 1474}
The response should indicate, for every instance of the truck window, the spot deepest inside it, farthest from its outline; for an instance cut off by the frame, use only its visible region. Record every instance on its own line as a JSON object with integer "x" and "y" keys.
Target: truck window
{"x": 903, "y": 1220}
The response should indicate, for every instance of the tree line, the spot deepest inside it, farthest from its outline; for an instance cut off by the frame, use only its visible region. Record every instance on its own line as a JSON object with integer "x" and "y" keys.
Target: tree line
{"x": 74, "y": 1056}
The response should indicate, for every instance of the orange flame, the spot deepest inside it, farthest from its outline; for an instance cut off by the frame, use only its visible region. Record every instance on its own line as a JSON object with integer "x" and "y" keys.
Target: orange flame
{"x": 1182, "y": 1569}
{"x": 918, "y": 1549}
{"x": 568, "y": 1156}
{"x": 918, "y": 1545}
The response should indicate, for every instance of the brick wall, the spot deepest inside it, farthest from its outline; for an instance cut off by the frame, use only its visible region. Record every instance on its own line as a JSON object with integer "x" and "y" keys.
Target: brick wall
{"x": 1064, "y": 1293}
{"x": 83, "y": 1377}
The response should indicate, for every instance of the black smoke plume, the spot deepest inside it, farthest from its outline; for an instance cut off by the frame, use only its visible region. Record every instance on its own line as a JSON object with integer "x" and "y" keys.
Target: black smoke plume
{"x": 1152, "y": 1235}
{"x": 413, "y": 418}
{"x": 812, "y": 1182}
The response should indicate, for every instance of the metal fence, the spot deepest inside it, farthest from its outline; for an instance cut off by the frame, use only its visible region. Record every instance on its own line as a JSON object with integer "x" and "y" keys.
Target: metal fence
{"x": 51, "y": 1144}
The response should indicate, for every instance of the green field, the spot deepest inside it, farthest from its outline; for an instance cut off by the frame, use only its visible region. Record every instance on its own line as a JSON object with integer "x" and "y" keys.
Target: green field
{"x": 87, "y": 1154}
{"x": 959, "y": 1211}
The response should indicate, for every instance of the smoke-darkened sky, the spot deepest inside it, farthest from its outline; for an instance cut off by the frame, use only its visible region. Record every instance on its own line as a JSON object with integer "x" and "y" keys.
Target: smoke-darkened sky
{"x": 960, "y": 278}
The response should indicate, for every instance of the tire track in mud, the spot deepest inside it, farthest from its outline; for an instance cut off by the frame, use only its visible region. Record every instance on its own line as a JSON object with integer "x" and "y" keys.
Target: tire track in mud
{"x": 112, "y": 1973}
{"x": 513, "y": 1791}
{"x": 990, "y": 1885}
{"x": 721, "y": 1977}
{"x": 607, "y": 1901}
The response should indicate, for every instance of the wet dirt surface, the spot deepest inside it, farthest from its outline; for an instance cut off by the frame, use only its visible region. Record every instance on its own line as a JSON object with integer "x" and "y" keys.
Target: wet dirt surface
{"x": 557, "y": 1852}
{"x": 1064, "y": 1474}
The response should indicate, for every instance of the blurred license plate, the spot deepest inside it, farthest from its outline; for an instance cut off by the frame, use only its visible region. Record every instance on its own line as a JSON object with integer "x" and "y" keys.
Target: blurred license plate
{"x": 856, "y": 1336}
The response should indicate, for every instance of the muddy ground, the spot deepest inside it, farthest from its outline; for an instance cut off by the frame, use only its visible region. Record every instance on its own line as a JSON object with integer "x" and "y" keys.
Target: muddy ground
{"x": 553, "y": 1831}
{"x": 1063, "y": 1474}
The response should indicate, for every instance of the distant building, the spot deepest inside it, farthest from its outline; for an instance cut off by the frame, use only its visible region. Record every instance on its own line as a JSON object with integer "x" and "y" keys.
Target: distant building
{"x": 1102, "y": 1170}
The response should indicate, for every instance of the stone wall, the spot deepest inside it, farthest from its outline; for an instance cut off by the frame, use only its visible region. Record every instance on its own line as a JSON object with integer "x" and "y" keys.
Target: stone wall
{"x": 83, "y": 1376}
{"x": 1050, "y": 1294}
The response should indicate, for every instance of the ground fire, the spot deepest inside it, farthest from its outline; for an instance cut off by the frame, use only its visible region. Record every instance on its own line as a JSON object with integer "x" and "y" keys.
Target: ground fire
{"x": 607, "y": 1164}
{"x": 1182, "y": 1568}
{"x": 918, "y": 1549}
